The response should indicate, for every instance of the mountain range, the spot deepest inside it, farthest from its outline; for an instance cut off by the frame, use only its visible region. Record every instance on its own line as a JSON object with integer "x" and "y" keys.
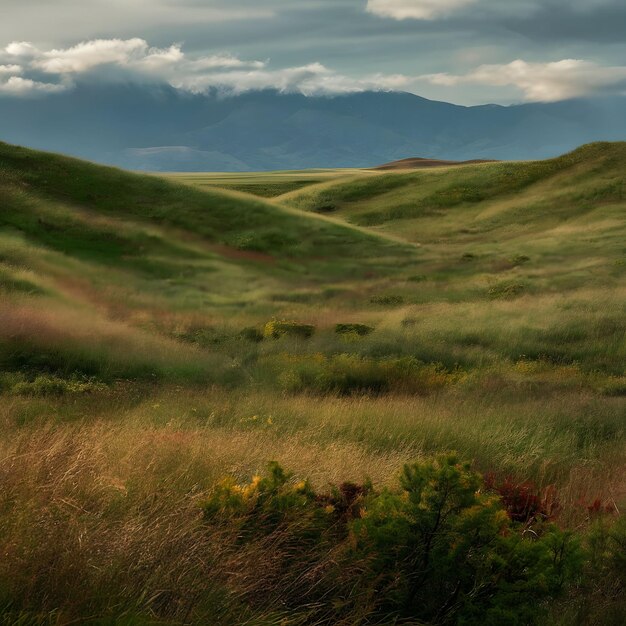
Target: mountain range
{"x": 159, "y": 128}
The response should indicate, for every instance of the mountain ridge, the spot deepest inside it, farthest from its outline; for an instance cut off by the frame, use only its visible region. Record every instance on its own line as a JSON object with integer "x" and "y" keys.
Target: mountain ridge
{"x": 159, "y": 128}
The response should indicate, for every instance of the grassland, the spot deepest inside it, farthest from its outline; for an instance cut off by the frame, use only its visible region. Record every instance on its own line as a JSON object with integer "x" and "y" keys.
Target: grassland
{"x": 136, "y": 369}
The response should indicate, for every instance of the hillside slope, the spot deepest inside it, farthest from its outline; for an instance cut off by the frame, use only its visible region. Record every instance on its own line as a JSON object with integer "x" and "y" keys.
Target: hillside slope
{"x": 566, "y": 210}
{"x": 97, "y": 264}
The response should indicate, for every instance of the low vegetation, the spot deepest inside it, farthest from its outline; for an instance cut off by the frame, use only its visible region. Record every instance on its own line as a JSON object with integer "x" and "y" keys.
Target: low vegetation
{"x": 160, "y": 344}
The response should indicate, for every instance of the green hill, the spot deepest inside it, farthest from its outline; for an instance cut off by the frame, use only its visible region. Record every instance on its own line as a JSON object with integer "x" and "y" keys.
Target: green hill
{"x": 116, "y": 256}
{"x": 162, "y": 340}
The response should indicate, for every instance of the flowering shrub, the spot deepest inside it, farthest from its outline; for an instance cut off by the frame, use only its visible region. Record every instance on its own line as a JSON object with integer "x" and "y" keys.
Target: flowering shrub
{"x": 351, "y": 373}
{"x": 433, "y": 549}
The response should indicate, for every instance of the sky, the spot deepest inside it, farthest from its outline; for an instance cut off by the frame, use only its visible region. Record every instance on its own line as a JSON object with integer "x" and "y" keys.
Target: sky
{"x": 462, "y": 51}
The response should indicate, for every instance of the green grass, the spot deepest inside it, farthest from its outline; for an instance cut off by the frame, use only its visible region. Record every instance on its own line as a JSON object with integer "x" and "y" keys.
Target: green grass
{"x": 135, "y": 371}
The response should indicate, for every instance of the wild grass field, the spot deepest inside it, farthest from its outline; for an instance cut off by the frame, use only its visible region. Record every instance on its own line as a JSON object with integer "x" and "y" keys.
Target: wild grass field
{"x": 163, "y": 339}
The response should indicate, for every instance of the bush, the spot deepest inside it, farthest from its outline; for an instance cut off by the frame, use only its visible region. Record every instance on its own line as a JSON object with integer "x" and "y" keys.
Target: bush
{"x": 387, "y": 300}
{"x": 350, "y": 373}
{"x": 250, "y": 333}
{"x": 54, "y": 386}
{"x": 439, "y": 551}
{"x": 357, "y": 329}
{"x": 506, "y": 291}
{"x": 276, "y": 329}
{"x": 523, "y": 501}
{"x": 434, "y": 549}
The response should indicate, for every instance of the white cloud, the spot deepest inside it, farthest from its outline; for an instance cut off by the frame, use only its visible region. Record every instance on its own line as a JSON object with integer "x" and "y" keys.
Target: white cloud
{"x": 312, "y": 79}
{"x": 415, "y": 9}
{"x": 21, "y": 49}
{"x": 89, "y": 54}
{"x": 541, "y": 82}
{"x": 10, "y": 69}
{"x": 225, "y": 72}
{"x": 17, "y": 86}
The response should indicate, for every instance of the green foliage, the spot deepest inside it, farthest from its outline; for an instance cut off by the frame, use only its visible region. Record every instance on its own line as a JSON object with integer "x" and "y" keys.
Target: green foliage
{"x": 506, "y": 290}
{"x": 432, "y": 549}
{"x": 387, "y": 300}
{"x": 607, "y": 550}
{"x": 439, "y": 551}
{"x": 275, "y": 329}
{"x": 252, "y": 334}
{"x": 48, "y": 385}
{"x": 266, "y": 504}
{"x": 350, "y": 373}
{"x": 362, "y": 330}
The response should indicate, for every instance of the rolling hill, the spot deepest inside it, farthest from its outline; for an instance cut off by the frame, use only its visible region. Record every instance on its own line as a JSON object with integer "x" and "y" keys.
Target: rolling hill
{"x": 91, "y": 242}
{"x": 165, "y": 338}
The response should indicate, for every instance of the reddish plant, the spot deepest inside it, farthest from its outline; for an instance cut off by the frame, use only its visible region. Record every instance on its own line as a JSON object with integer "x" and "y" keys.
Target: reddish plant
{"x": 598, "y": 507}
{"x": 524, "y": 502}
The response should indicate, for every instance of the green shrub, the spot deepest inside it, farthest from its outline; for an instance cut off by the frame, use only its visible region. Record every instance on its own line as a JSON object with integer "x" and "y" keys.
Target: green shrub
{"x": 506, "y": 291}
{"x": 266, "y": 504}
{"x": 275, "y": 329}
{"x": 346, "y": 374}
{"x": 250, "y": 333}
{"x": 357, "y": 329}
{"x": 203, "y": 336}
{"x": 433, "y": 549}
{"x": 437, "y": 550}
{"x": 46, "y": 385}
{"x": 387, "y": 300}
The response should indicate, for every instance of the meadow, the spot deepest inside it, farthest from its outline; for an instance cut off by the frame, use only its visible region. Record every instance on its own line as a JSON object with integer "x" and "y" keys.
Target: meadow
{"x": 163, "y": 339}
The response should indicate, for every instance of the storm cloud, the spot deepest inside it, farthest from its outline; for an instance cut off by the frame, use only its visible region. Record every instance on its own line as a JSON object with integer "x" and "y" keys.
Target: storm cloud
{"x": 441, "y": 49}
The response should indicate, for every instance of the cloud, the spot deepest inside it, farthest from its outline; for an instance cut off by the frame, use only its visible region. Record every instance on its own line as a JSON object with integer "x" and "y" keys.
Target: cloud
{"x": 312, "y": 79}
{"x": 135, "y": 59}
{"x": 10, "y": 69}
{"x": 414, "y": 9}
{"x": 18, "y": 86}
{"x": 21, "y": 49}
{"x": 542, "y": 82}
{"x": 89, "y": 54}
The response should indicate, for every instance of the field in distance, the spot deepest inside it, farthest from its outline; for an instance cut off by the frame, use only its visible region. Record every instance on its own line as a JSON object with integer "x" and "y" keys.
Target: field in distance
{"x": 161, "y": 335}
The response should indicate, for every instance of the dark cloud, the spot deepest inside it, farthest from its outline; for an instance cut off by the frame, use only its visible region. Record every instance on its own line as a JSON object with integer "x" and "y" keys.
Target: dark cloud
{"x": 565, "y": 23}
{"x": 341, "y": 34}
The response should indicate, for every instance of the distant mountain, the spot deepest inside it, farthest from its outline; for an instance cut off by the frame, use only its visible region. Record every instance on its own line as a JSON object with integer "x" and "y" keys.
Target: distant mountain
{"x": 156, "y": 127}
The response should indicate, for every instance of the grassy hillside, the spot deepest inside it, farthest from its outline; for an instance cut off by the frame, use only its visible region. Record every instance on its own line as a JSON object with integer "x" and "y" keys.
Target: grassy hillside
{"x": 161, "y": 342}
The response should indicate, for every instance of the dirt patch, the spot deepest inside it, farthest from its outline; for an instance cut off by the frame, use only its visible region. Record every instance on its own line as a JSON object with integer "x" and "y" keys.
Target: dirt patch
{"x": 416, "y": 163}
